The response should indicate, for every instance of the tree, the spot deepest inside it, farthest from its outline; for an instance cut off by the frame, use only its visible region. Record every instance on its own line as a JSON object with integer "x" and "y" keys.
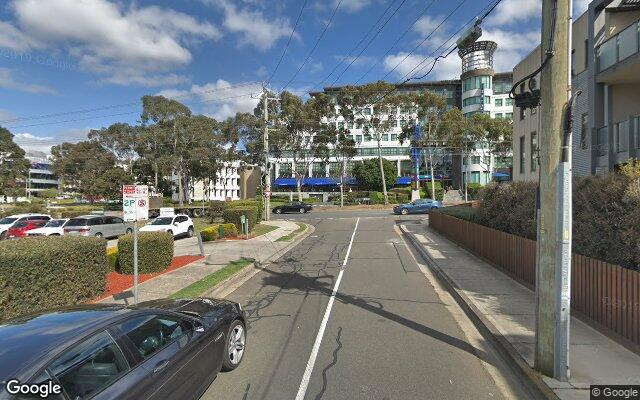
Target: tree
{"x": 14, "y": 167}
{"x": 493, "y": 136}
{"x": 370, "y": 107}
{"x": 368, "y": 174}
{"x": 119, "y": 139}
{"x": 343, "y": 149}
{"x": 48, "y": 193}
{"x": 300, "y": 133}
{"x": 87, "y": 168}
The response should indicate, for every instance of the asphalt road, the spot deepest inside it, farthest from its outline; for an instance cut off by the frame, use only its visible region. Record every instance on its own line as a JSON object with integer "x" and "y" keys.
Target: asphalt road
{"x": 391, "y": 333}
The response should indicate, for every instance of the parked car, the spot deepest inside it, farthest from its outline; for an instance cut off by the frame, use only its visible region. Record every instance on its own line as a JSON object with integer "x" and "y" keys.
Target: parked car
{"x": 98, "y": 226}
{"x": 54, "y": 227}
{"x": 160, "y": 349}
{"x": 177, "y": 225}
{"x": 19, "y": 229}
{"x": 8, "y": 222}
{"x": 295, "y": 206}
{"x": 417, "y": 206}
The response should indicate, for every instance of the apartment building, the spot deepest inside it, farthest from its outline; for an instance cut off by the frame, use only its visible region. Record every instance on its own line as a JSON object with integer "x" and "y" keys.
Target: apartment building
{"x": 226, "y": 185}
{"x": 41, "y": 176}
{"x": 605, "y": 58}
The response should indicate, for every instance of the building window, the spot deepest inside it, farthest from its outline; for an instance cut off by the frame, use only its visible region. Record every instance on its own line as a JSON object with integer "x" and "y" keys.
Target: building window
{"x": 509, "y": 116}
{"x": 475, "y": 176}
{"x": 477, "y": 82}
{"x": 498, "y": 102}
{"x": 534, "y": 151}
{"x": 475, "y": 159}
{"x": 509, "y": 101}
{"x": 499, "y": 115}
{"x": 573, "y": 62}
{"x": 394, "y": 137}
{"x": 487, "y": 160}
{"x": 341, "y": 125}
{"x": 523, "y": 154}
{"x": 385, "y": 137}
{"x": 584, "y": 128}
{"x": 487, "y": 100}
{"x": 621, "y": 136}
{"x": 586, "y": 53}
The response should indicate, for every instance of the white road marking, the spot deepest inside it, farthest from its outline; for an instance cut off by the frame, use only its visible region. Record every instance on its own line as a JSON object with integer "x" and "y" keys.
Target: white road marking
{"x": 302, "y": 390}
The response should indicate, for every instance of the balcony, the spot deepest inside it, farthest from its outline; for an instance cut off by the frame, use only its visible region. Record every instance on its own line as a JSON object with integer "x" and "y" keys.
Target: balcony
{"x": 619, "y": 57}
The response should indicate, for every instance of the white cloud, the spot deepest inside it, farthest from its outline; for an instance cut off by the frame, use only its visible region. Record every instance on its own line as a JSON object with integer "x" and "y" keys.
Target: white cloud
{"x": 514, "y": 11}
{"x": 580, "y": 6}
{"x": 425, "y": 25}
{"x": 9, "y": 81}
{"x": 262, "y": 71}
{"x": 352, "y": 5}
{"x": 220, "y": 99}
{"x": 105, "y": 37}
{"x": 253, "y": 27}
{"x": 512, "y": 46}
{"x": 360, "y": 61}
{"x": 405, "y": 64}
{"x": 28, "y": 141}
{"x": 6, "y": 116}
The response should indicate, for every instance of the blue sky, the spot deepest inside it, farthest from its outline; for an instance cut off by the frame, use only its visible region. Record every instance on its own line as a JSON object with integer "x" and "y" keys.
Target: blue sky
{"x": 58, "y": 57}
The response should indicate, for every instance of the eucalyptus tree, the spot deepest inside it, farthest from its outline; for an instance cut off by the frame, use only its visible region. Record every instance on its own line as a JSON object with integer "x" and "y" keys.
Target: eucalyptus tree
{"x": 13, "y": 166}
{"x": 493, "y": 136}
{"x": 120, "y": 140}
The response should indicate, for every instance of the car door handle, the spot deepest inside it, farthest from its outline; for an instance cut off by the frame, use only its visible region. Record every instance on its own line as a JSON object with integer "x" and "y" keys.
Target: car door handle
{"x": 160, "y": 366}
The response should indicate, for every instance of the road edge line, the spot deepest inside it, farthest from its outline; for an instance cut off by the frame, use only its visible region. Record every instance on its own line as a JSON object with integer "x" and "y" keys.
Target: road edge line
{"x": 306, "y": 377}
{"x": 486, "y": 328}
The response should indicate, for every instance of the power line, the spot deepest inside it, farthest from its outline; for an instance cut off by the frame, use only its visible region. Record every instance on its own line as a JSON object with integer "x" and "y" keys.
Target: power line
{"x": 362, "y": 39}
{"x": 326, "y": 27}
{"x": 288, "y": 42}
{"x": 424, "y": 10}
{"x": 370, "y": 41}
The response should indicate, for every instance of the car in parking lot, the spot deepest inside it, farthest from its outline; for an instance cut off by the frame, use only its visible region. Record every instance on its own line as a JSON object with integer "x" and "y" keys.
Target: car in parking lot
{"x": 418, "y": 206}
{"x": 9, "y": 221}
{"x": 160, "y": 349}
{"x": 98, "y": 226}
{"x": 54, "y": 227}
{"x": 176, "y": 225}
{"x": 20, "y": 228}
{"x": 294, "y": 206}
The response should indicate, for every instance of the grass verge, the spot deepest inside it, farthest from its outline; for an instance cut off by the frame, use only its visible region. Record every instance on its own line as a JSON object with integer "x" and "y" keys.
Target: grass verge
{"x": 261, "y": 229}
{"x": 289, "y": 237}
{"x": 203, "y": 285}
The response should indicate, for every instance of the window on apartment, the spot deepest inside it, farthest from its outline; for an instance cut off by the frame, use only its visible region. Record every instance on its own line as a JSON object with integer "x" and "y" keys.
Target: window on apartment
{"x": 584, "y": 128}
{"x": 475, "y": 159}
{"x": 498, "y": 102}
{"x": 621, "y": 136}
{"x": 486, "y": 160}
{"x": 394, "y": 137}
{"x": 509, "y": 116}
{"x": 487, "y": 99}
{"x": 341, "y": 125}
{"x": 523, "y": 155}
{"x": 573, "y": 62}
{"x": 475, "y": 176}
{"x": 534, "y": 151}
{"x": 586, "y": 53}
{"x": 509, "y": 101}
{"x": 385, "y": 137}
{"x": 499, "y": 115}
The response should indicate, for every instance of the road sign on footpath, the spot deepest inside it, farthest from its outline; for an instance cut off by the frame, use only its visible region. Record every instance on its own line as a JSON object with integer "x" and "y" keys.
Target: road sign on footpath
{"x": 135, "y": 207}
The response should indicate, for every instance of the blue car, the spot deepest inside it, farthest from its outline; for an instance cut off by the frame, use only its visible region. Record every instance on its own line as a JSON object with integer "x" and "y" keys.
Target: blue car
{"x": 419, "y": 206}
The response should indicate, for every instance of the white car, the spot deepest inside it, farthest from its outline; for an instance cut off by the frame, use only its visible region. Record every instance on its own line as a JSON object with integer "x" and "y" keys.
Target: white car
{"x": 54, "y": 227}
{"x": 176, "y": 225}
{"x": 8, "y": 222}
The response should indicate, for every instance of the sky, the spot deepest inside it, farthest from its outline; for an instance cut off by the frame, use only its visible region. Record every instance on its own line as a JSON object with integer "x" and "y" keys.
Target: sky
{"x": 68, "y": 66}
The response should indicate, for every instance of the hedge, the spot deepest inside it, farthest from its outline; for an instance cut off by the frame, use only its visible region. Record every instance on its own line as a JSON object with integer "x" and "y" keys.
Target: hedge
{"x": 213, "y": 232}
{"x": 232, "y": 216}
{"x": 474, "y": 190}
{"x": 438, "y": 187}
{"x": 46, "y": 272}
{"x": 112, "y": 258}
{"x": 255, "y": 204}
{"x": 216, "y": 208}
{"x": 155, "y": 252}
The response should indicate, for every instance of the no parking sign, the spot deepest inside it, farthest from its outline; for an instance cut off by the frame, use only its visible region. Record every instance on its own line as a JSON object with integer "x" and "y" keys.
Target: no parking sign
{"x": 135, "y": 202}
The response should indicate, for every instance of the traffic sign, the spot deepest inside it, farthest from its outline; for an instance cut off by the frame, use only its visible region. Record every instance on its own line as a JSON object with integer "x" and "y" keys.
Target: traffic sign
{"x": 267, "y": 194}
{"x": 135, "y": 202}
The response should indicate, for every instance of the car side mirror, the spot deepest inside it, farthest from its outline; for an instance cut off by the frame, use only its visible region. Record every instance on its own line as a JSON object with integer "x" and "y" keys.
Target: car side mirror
{"x": 175, "y": 224}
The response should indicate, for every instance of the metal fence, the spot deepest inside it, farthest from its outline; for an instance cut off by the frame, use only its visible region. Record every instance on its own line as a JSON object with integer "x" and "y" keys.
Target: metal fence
{"x": 605, "y": 295}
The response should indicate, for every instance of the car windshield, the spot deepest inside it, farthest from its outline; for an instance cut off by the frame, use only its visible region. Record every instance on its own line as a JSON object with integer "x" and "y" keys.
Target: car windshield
{"x": 55, "y": 223}
{"x": 7, "y": 220}
{"x": 77, "y": 222}
{"x": 162, "y": 221}
{"x": 21, "y": 224}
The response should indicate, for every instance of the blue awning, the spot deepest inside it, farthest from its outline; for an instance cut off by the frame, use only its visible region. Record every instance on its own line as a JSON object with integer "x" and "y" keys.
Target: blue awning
{"x": 291, "y": 182}
{"x": 285, "y": 182}
{"x": 403, "y": 180}
{"x": 501, "y": 175}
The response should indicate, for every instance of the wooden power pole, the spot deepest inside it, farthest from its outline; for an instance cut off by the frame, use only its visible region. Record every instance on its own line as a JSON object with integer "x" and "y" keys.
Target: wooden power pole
{"x": 551, "y": 351}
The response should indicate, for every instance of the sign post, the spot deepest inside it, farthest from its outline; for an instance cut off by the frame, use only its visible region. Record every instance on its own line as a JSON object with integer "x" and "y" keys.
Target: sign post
{"x": 135, "y": 207}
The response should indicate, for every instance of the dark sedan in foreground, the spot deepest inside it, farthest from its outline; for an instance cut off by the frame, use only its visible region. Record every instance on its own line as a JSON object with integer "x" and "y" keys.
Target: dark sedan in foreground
{"x": 418, "y": 206}
{"x": 294, "y": 206}
{"x": 161, "y": 349}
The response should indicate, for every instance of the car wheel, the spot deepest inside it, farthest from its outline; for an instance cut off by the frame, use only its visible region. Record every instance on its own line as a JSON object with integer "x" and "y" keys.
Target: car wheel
{"x": 98, "y": 235}
{"x": 434, "y": 208}
{"x": 302, "y": 211}
{"x": 55, "y": 234}
{"x": 129, "y": 230}
{"x": 278, "y": 211}
{"x": 236, "y": 341}
{"x": 2, "y": 235}
{"x": 404, "y": 211}
{"x": 190, "y": 231}
{"x": 197, "y": 212}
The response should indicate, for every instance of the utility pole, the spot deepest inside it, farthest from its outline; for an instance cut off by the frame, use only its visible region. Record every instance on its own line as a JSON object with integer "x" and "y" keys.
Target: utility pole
{"x": 267, "y": 178}
{"x": 552, "y": 270}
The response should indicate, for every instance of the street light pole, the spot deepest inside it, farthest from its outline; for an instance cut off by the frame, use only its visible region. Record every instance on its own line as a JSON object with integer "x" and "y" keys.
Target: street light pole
{"x": 267, "y": 179}
{"x": 554, "y": 228}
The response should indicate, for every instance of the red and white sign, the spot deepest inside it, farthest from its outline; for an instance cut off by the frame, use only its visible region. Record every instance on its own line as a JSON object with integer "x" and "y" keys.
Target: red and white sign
{"x": 135, "y": 202}
{"x": 267, "y": 194}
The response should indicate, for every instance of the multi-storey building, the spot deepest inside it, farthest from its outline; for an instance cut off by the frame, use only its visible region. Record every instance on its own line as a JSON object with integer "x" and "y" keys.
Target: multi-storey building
{"x": 234, "y": 181}
{"x": 605, "y": 59}
{"x": 40, "y": 175}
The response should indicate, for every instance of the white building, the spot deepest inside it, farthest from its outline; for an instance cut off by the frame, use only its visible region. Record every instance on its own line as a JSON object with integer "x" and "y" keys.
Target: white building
{"x": 225, "y": 187}
{"x": 487, "y": 92}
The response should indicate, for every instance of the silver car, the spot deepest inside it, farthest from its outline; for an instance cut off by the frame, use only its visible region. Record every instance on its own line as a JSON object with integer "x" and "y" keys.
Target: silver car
{"x": 98, "y": 226}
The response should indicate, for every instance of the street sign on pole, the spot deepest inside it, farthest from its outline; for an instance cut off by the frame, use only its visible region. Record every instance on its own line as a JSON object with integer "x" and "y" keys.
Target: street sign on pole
{"x": 135, "y": 207}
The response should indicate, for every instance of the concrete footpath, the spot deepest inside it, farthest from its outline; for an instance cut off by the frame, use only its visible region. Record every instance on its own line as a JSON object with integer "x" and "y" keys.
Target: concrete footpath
{"x": 218, "y": 254}
{"x": 507, "y": 309}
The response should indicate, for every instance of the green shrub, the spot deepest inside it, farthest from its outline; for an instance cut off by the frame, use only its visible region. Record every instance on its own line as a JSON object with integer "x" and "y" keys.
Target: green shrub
{"x": 229, "y": 230}
{"x": 216, "y": 208}
{"x": 376, "y": 197}
{"x": 155, "y": 252}
{"x": 509, "y": 208}
{"x": 256, "y": 204}
{"x": 112, "y": 258}
{"x": 210, "y": 233}
{"x": 402, "y": 198}
{"x": 232, "y": 216}
{"x": 428, "y": 193}
{"x": 462, "y": 212}
{"x": 46, "y": 272}
{"x": 474, "y": 190}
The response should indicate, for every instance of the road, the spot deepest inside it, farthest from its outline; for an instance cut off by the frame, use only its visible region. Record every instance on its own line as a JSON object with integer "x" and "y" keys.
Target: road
{"x": 383, "y": 330}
